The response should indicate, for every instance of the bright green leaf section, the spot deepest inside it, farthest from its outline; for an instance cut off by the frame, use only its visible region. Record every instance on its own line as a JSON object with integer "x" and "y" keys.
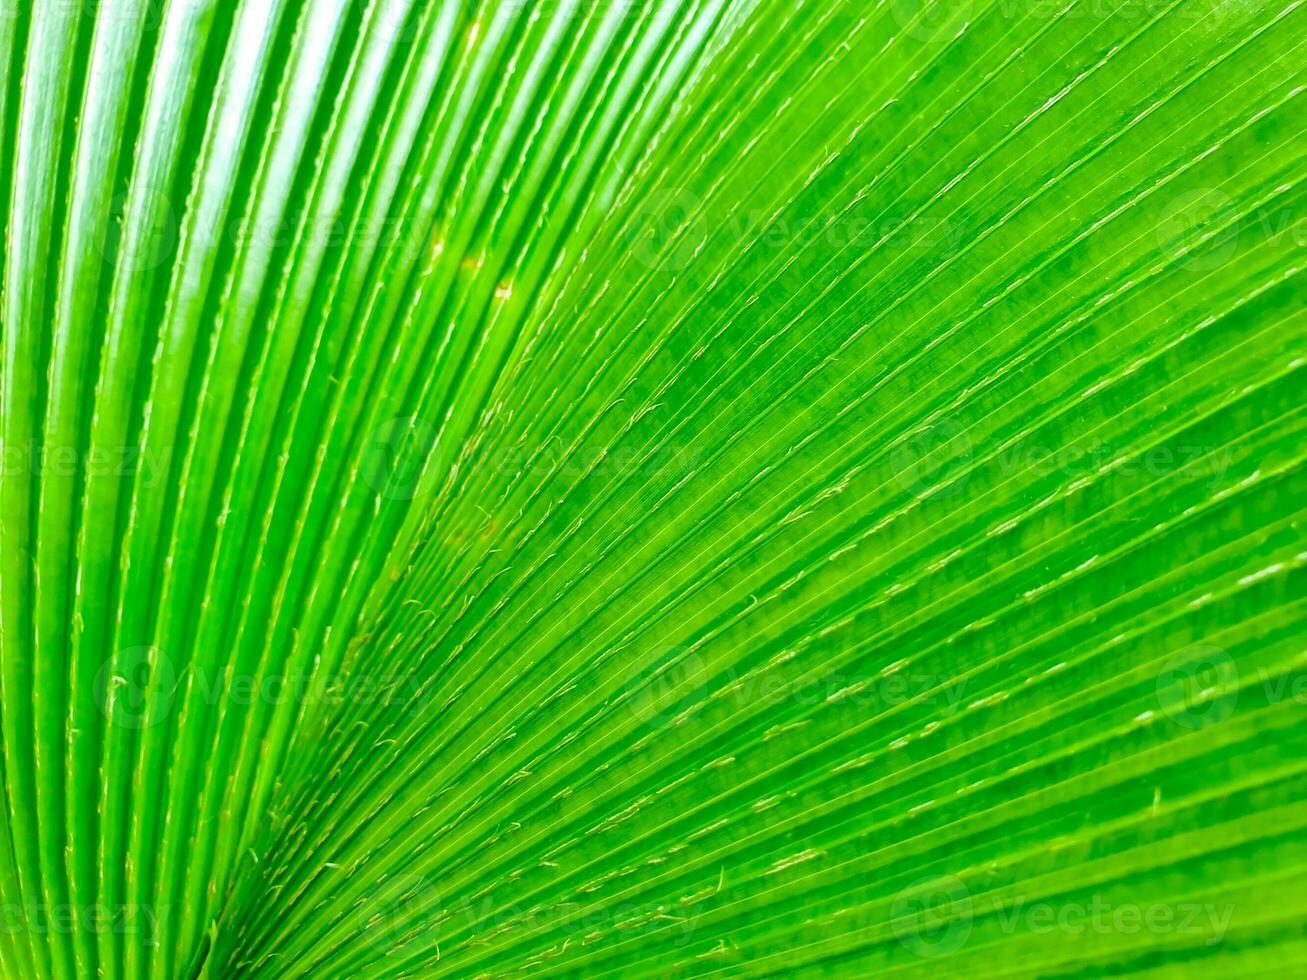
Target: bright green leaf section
{"x": 652, "y": 488}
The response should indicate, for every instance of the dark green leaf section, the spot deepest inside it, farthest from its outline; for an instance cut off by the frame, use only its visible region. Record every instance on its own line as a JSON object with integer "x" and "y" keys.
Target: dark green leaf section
{"x": 652, "y": 488}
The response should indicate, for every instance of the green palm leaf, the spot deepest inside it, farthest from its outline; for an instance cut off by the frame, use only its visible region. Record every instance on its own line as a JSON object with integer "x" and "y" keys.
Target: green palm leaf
{"x": 668, "y": 487}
